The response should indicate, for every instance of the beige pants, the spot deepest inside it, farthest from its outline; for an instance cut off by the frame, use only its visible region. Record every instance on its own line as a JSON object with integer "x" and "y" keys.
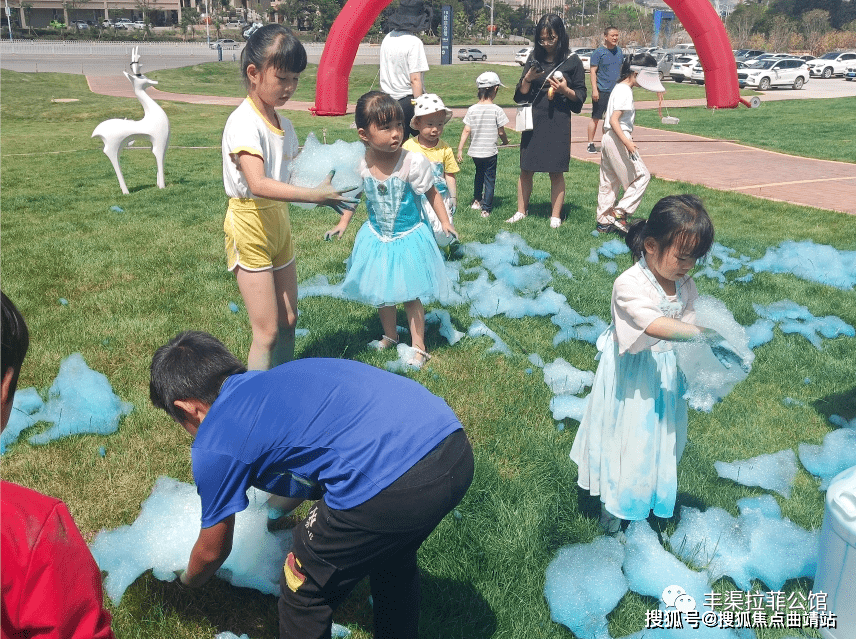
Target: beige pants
{"x": 619, "y": 170}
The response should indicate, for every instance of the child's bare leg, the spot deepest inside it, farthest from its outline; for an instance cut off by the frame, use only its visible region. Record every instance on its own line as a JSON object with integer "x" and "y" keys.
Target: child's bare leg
{"x": 283, "y": 504}
{"x": 259, "y": 293}
{"x": 285, "y": 283}
{"x": 388, "y": 321}
{"x": 416, "y": 320}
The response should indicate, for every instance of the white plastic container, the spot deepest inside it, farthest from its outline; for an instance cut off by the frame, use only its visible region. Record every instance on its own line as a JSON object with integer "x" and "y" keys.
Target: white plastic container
{"x": 836, "y": 561}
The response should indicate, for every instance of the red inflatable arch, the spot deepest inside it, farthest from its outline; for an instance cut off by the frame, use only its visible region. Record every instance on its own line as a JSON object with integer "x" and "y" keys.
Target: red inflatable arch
{"x": 698, "y": 17}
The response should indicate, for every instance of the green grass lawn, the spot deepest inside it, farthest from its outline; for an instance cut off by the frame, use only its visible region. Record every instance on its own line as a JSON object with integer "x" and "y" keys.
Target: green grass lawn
{"x": 133, "y": 279}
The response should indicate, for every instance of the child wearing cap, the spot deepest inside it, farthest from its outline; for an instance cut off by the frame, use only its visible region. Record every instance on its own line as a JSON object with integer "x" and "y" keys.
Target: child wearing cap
{"x": 485, "y": 120}
{"x": 620, "y": 164}
{"x": 429, "y": 119}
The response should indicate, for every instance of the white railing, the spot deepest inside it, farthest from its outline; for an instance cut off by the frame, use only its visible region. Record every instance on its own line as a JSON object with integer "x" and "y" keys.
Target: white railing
{"x": 95, "y": 47}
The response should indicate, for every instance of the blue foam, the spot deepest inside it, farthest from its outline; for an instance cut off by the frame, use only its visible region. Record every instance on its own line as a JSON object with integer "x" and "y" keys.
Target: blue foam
{"x": 582, "y": 604}
{"x": 26, "y": 404}
{"x": 758, "y": 544}
{"x": 794, "y": 318}
{"x": 480, "y": 329}
{"x": 812, "y": 262}
{"x": 564, "y": 406}
{"x": 163, "y": 535}
{"x": 836, "y": 454}
{"x": 775, "y": 471}
{"x": 80, "y": 400}
{"x": 565, "y": 379}
{"x": 447, "y": 329}
{"x": 317, "y": 160}
{"x": 708, "y": 381}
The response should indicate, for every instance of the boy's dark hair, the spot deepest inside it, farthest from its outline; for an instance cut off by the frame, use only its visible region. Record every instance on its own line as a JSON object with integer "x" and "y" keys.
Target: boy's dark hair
{"x": 675, "y": 220}
{"x": 378, "y": 108}
{"x": 193, "y": 365}
{"x": 487, "y": 91}
{"x": 16, "y": 340}
{"x": 276, "y": 46}
{"x": 553, "y": 23}
{"x": 636, "y": 60}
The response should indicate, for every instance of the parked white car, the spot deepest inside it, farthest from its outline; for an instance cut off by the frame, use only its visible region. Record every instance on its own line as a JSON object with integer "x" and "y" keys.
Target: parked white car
{"x": 124, "y": 23}
{"x": 697, "y": 74}
{"x": 522, "y": 56}
{"x": 832, "y": 63}
{"x": 850, "y": 74}
{"x": 682, "y": 67}
{"x": 584, "y": 54}
{"x": 765, "y": 74}
{"x": 137, "y": 24}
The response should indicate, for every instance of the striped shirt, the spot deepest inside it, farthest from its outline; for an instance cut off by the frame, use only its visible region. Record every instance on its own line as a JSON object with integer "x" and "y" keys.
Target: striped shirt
{"x": 484, "y": 121}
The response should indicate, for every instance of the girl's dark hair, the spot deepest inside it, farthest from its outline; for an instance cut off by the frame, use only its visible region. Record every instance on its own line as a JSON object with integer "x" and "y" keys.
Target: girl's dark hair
{"x": 16, "y": 340}
{"x": 636, "y": 60}
{"x": 193, "y": 365}
{"x": 276, "y": 46}
{"x": 676, "y": 220}
{"x": 487, "y": 91}
{"x": 551, "y": 22}
{"x": 378, "y": 108}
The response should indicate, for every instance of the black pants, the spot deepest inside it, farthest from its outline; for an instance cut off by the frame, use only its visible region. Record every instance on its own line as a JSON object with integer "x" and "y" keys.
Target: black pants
{"x": 485, "y": 181}
{"x": 334, "y": 549}
{"x": 409, "y": 109}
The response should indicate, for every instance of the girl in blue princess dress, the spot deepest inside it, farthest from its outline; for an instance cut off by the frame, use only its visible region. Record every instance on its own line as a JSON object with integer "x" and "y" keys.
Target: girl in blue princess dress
{"x": 395, "y": 259}
{"x": 634, "y": 430}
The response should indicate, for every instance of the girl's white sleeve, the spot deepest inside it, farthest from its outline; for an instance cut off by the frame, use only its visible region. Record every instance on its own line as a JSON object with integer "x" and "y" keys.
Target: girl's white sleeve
{"x": 689, "y": 292}
{"x": 420, "y": 175}
{"x": 634, "y": 307}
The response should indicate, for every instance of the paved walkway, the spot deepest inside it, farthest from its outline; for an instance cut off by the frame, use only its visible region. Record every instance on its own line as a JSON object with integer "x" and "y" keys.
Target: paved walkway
{"x": 669, "y": 154}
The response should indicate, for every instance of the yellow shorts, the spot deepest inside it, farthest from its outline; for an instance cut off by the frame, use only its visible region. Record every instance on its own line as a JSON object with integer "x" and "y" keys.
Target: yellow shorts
{"x": 258, "y": 234}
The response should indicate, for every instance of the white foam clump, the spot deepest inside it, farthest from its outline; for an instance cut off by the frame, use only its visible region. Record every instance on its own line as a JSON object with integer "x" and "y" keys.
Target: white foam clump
{"x": 727, "y": 262}
{"x": 794, "y": 318}
{"x": 319, "y": 286}
{"x": 582, "y": 604}
{"x": 317, "y": 160}
{"x": 842, "y": 422}
{"x": 566, "y": 381}
{"x": 569, "y": 406}
{"x": 26, "y": 404}
{"x": 163, "y": 535}
{"x": 760, "y": 332}
{"x": 506, "y": 248}
{"x": 775, "y": 471}
{"x": 809, "y": 261}
{"x": 447, "y": 329}
{"x": 708, "y": 381}
{"x": 80, "y": 400}
{"x": 836, "y": 454}
{"x": 564, "y": 378}
{"x": 758, "y": 544}
{"x": 573, "y": 326}
{"x": 480, "y": 329}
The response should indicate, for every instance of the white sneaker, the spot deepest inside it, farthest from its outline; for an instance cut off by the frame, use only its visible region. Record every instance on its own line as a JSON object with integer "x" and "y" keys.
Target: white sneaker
{"x": 555, "y": 222}
{"x": 476, "y": 205}
{"x": 515, "y": 218}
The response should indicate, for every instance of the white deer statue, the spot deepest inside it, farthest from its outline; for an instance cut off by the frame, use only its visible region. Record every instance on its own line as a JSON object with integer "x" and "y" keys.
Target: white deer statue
{"x": 117, "y": 134}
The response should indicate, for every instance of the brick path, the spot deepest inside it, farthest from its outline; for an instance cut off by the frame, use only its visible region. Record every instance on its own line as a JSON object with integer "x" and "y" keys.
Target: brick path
{"x": 669, "y": 155}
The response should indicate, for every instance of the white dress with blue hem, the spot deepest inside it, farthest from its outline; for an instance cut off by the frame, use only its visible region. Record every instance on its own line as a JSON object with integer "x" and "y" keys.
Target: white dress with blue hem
{"x": 634, "y": 430}
{"x": 395, "y": 258}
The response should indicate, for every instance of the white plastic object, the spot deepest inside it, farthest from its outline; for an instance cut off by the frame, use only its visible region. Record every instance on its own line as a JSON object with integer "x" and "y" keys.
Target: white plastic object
{"x": 670, "y": 119}
{"x": 836, "y": 560}
{"x": 558, "y": 75}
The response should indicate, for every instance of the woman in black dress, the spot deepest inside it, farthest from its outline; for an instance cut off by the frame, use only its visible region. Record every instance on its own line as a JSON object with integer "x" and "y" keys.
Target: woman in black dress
{"x": 547, "y": 147}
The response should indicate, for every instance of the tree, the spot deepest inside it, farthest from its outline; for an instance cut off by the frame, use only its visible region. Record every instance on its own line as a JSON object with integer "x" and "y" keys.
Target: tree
{"x": 780, "y": 32}
{"x": 815, "y": 24}
{"x": 741, "y": 23}
{"x": 189, "y": 17}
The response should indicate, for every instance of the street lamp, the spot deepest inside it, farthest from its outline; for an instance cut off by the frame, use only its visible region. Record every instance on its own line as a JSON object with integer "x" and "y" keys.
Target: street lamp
{"x": 208, "y": 23}
{"x": 491, "y": 28}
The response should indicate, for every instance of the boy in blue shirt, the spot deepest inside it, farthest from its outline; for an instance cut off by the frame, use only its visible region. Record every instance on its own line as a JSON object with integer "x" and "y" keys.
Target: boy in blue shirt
{"x": 390, "y": 459}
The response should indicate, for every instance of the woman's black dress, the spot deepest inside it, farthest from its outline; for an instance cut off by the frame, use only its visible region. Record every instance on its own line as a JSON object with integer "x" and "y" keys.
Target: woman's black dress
{"x": 547, "y": 147}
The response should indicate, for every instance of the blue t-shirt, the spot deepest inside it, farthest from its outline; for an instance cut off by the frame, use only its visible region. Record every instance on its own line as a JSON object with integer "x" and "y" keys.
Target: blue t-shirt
{"x": 608, "y": 63}
{"x": 346, "y": 427}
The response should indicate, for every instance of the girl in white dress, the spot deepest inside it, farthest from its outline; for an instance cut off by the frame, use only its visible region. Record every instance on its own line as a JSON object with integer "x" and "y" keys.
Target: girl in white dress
{"x": 634, "y": 430}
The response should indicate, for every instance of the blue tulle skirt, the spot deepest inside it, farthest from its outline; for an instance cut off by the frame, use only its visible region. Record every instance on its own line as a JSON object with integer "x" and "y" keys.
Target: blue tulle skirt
{"x": 633, "y": 432}
{"x": 385, "y": 273}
